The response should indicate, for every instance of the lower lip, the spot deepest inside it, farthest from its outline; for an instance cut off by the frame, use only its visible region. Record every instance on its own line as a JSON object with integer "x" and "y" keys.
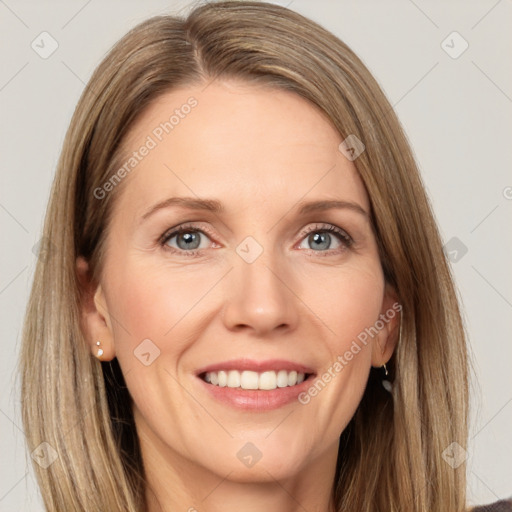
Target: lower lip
{"x": 257, "y": 399}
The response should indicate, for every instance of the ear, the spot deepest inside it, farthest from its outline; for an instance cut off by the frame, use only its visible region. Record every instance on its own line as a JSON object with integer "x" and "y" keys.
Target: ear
{"x": 388, "y": 327}
{"x": 95, "y": 320}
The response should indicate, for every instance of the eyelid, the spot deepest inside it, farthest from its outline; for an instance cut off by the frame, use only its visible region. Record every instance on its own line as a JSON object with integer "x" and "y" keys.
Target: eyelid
{"x": 330, "y": 228}
{"x": 187, "y": 226}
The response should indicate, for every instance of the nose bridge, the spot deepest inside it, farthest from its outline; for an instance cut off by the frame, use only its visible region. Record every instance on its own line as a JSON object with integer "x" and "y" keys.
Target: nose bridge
{"x": 258, "y": 295}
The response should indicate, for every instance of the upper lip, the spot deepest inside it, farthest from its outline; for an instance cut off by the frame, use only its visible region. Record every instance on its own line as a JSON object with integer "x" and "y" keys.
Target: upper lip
{"x": 256, "y": 366}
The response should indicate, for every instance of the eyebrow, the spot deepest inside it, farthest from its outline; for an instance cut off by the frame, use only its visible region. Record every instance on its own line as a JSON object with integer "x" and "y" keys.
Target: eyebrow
{"x": 190, "y": 203}
{"x": 214, "y": 206}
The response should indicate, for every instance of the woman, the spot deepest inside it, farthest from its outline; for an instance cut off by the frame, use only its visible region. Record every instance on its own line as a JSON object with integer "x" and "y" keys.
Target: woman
{"x": 247, "y": 303}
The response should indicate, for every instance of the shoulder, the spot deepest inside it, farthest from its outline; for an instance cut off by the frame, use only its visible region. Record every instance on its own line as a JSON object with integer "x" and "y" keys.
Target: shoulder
{"x": 497, "y": 506}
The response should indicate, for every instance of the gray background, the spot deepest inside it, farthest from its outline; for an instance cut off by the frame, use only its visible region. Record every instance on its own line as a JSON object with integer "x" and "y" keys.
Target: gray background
{"x": 456, "y": 112}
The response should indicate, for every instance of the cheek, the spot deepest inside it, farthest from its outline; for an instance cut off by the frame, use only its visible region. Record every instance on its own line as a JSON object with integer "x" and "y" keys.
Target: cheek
{"x": 155, "y": 323}
{"x": 349, "y": 304}
{"x": 348, "y": 300}
{"x": 155, "y": 302}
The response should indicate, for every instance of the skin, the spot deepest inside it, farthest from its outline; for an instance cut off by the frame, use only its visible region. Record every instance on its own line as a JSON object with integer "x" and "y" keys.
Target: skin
{"x": 260, "y": 152}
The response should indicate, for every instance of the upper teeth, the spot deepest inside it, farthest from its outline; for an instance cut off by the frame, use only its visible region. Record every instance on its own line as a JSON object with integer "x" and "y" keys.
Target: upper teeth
{"x": 254, "y": 380}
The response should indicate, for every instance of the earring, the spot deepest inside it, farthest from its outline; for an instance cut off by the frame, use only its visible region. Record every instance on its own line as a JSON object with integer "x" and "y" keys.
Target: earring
{"x": 99, "y": 353}
{"x": 385, "y": 382}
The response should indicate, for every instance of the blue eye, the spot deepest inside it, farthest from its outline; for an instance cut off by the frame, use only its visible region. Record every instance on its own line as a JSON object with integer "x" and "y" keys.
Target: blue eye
{"x": 188, "y": 240}
{"x": 320, "y": 238}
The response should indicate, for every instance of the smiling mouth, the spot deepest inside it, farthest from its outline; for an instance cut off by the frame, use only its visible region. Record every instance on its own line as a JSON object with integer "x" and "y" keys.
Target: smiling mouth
{"x": 250, "y": 380}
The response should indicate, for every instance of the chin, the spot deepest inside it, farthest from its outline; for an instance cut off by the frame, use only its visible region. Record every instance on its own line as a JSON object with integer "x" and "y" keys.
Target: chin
{"x": 266, "y": 470}
{"x": 256, "y": 459}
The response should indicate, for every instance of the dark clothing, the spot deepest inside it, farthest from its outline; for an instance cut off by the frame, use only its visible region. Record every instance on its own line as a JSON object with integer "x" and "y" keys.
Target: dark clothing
{"x": 497, "y": 506}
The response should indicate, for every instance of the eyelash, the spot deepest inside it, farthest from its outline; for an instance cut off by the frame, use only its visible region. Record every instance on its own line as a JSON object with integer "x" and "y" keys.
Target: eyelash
{"x": 344, "y": 238}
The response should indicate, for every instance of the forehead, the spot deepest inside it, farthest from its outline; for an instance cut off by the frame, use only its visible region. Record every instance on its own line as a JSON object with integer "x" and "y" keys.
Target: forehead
{"x": 239, "y": 142}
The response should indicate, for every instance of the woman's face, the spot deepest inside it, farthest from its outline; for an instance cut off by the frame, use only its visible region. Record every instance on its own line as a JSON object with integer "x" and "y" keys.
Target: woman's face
{"x": 260, "y": 288}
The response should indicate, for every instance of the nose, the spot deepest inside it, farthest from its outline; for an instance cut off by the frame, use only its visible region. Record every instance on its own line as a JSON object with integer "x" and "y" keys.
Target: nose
{"x": 260, "y": 299}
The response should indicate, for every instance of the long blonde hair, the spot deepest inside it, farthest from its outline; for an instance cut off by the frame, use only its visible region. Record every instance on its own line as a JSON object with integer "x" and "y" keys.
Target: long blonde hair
{"x": 391, "y": 453}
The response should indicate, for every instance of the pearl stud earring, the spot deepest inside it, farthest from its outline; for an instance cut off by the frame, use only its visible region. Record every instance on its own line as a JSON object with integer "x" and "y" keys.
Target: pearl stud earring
{"x": 99, "y": 353}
